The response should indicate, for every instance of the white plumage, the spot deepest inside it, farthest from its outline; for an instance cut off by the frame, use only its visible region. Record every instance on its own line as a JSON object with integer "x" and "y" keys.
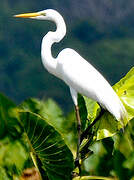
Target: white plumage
{"x": 85, "y": 79}
{"x": 74, "y": 70}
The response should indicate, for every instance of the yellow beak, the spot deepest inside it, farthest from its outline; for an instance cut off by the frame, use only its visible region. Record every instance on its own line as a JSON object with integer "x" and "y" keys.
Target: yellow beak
{"x": 27, "y": 15}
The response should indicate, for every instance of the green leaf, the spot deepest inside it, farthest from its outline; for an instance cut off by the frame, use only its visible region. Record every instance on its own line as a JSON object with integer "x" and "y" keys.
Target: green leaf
{"x": 129, "y": 163}
{"x": 106, "y": 126}
{"x": 8, "y": 121}
{"x": 13, "y": 156}
{"x": 48, "y": 146}
{"x": 3, "y": 174}
{"x": 125, "y": 90}
{"x": 83, "y": 111}
{"x": 53, "y": 115}
{"x": 122, "y": 173}
{"x": 125, "y": 144}
{"x": 48, "y": 109}
{"x": 88, "y": 109}
{"x": 92, "y": 108}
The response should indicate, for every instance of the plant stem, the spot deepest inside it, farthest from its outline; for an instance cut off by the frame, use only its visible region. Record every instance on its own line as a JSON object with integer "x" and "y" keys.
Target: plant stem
{"x": 94, "y": 177}
{"x": 77, "y": 163}
{"x": 85, "y": 133}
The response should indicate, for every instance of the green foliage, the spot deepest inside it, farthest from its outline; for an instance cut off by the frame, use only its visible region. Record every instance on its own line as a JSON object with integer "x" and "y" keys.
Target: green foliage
{"x": 37, "y": 140}
{"x": 113, "y": 157}
{"x": 13, "y": 157}
{"x": 13, "y": 150}
{"x": 90, "y": 108}
{"x": 125, "y": 90}
{"x": 83, "y": 111}
{"x": 36, "y": 133}
{"x": 3, "y": 174}
{"x": 9, "y": 123}
{"x": 48, "y": 146}
{"x": 53, "y": 115}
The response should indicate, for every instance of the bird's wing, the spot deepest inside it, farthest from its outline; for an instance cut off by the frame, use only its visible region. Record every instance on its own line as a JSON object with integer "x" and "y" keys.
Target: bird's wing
{"x": 85, "y": 79}
{"x": 79, "y": 74}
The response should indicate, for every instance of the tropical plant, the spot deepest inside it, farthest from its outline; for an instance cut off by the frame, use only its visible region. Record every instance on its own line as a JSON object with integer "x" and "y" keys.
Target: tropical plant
{"x": 37, "y": 140}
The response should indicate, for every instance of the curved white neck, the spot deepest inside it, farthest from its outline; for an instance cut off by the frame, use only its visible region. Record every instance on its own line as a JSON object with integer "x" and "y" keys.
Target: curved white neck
{"x": 47, "y": 42}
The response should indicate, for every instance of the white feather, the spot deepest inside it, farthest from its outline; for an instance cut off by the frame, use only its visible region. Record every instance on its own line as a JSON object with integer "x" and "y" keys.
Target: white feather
{"x": 85, "y": 79}
{"x": 75, "y": 71}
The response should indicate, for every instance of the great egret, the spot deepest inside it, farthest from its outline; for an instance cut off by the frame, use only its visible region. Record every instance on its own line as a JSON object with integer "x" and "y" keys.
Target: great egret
{"x": 75, "y": 71}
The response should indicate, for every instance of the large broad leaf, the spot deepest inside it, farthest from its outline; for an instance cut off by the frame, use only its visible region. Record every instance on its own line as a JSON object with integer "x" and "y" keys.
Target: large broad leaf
{"x": 53, "y": 115}
{"x": 107, "y": 125}
{"x": 48, "y": 109}
{"x": 48, "y": 146}
{"x": 8, "y": 121}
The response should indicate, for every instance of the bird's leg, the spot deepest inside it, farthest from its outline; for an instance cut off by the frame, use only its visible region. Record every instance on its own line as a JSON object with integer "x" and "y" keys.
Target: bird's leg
{"x": 77, "y": 164}
{"x": 74, "y": 97}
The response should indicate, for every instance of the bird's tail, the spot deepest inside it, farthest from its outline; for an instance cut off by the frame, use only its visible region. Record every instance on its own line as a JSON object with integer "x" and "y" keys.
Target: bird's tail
{"x": 116, "y": 107}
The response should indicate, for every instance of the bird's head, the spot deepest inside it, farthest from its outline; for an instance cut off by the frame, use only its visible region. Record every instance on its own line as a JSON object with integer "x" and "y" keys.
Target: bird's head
{"x": 51, "y": 15}
{"x": 48, "y": 14}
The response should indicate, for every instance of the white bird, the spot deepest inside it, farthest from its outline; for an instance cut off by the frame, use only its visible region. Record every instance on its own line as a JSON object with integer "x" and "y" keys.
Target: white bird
{"x": 74, "y": 70}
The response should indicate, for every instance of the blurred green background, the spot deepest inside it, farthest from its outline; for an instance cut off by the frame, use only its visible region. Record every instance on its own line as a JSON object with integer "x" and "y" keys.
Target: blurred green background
{"x": 101, "y": 31}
